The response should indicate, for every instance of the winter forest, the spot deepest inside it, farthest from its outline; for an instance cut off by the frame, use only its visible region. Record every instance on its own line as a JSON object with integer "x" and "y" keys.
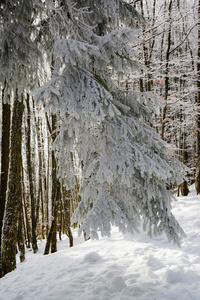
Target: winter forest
{"x": 100, "y": 121}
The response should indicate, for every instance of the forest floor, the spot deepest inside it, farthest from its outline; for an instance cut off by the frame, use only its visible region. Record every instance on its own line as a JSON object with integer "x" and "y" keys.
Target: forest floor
{"x": 120, "y": 267}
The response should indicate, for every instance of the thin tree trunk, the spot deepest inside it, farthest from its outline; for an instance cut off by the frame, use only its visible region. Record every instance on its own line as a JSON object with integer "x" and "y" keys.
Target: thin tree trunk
{"x": 42, "y": 178}
{"x": 60, "y": 216}
{"x": 4, "y": 163}
{"x": 43, "y": 191}
{"x": 146, "y": 58}
{"x": 167, "y": 72}
{"x": 53, "y": 222}
{"x": 55, "y": 193}
{"x": 52, "y": 238}
{"x": 20, "y": 236}
{"x": 14, "y": 193}
{"x": 46, "y": 182}
{"x": 66, "y": 208}
{"x": 30, "y": 176}
{"x": 40, "y": 193}
{"x": 184, "y": 185}
{"x": 39, "y": 150}
{"x": 197, "y": 179}
{"x": 54, "y": 216}
{"x": 26, "y": 223}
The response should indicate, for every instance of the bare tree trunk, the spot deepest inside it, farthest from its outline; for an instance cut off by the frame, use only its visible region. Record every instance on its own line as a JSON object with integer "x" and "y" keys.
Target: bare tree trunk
{"x": 39, "y": 183}
{"x": 167, "y": 72}
{"x": 4, "y": 163}
{"x": 30, "y": 176}
{"x": 197, "y": 179}
{"x": 41, "y": 192}
{"x": 55, "y": 192}
{"x": 43, "y": 189}
{"x": 52, "y": 229}
{"x": 146, "y": 52}
{"x": 60, "y": 217}
{"x": 66, "y": 208}
{"x": 20, "y": 236}
{"x": 55, "y": 215}
{"x": 14, "y": 193}
{"x": 46, "y": 182}
{"x": 26, "y": 223}
{"x": 51, "y": 237}
{"x": 184, "y": 185}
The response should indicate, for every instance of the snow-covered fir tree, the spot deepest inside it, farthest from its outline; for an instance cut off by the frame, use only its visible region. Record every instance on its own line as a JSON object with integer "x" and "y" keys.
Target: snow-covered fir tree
{"x": 125, "y": 167}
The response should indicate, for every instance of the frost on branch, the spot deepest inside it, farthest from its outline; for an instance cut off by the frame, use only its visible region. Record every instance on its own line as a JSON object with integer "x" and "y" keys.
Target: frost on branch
{"x": 124, "y": 165}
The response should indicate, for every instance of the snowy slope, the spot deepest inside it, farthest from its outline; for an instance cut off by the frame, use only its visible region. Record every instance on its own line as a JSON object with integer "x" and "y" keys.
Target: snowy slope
{"x": 120, "y": 268}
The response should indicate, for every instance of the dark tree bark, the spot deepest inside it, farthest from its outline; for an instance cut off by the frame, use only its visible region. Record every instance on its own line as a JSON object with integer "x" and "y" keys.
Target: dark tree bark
{"x": 14, "y": 192}
{"x": 55, "y": 192}
{"x": 60, "y": 218}
{"x": 146, "y": 55}
{"x": 51, "y": 237}
{"x": 197, "y": 179}
{"x": 26, "y": 222}
{"x": 40, "y": 172}
{"x": 30, "y": 176}
{"x": 52, "y": 229}
{"x": 43, "y": 190}
{"x": 42, "y": 179}
{"x": 54, "y": 217}
{"x": 4, "y": 163}
{"x": 66, "y": 208}
{"x": 46, "y": 182}
{"x": 20, "y": 235}
{"x": 184, "y": 185}
{"x": 167, "y": 71}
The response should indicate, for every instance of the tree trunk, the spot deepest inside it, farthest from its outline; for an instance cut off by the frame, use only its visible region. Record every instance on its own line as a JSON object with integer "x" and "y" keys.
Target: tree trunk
{"x": 20, "y": 236}
{"x": 26, "y": 221}
{"x": 46, "y": 183}
{"x": 52, "y": 229}
{"x": 146, "y": 57}
{"x": 30, "y": 176}
{"x": 9, "y": 233}
{"x": 167, "y": 72}
{"x": 40, "y": 171}
{"x": 184, "y": 186}
{"x": 60, "y": 218}
{"x": 4, "y": 164}
{"x": 197, "y": 179}
{"x": 54, "y": 217}
{"x": 55, "y": 192}
{"x": 66, "y": 208}
{"x": 51, "y": 237}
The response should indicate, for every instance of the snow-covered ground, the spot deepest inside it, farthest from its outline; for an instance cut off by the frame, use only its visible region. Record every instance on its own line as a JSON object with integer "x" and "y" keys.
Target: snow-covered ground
{"x": 120, "y": 267}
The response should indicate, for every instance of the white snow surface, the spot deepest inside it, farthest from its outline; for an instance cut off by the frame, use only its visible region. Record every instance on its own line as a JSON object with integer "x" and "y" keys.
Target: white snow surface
{"x": 120, "y": 267}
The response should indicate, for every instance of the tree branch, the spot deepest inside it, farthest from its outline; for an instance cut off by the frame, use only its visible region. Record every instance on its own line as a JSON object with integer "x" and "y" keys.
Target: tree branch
{"x": 183, "y": 39}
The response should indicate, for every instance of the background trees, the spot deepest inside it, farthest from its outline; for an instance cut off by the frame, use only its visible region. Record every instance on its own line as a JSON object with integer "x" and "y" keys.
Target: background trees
{"x": 171, "y": 32}
{"x": 15, "y": 62}
{"x": 112, "y": 167}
